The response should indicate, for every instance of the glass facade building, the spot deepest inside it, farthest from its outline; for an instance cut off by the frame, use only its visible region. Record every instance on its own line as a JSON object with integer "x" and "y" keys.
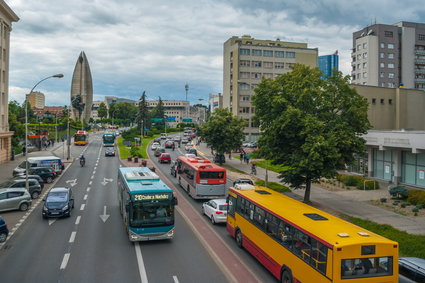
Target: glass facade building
{"x": 327, "y": 63}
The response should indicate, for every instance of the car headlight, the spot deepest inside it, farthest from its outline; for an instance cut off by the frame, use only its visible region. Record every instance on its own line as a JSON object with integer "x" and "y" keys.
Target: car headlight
{"x": 65, "y": 207}
{"x": 45, "y": 208}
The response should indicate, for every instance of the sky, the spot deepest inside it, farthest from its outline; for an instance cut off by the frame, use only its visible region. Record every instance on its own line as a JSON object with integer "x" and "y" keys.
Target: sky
{"x": 158, "y": 46}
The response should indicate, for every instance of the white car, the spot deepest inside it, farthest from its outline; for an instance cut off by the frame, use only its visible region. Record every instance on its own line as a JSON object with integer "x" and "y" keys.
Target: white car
{"x": 216, "y": 210}
{"x": 155, "y": 145}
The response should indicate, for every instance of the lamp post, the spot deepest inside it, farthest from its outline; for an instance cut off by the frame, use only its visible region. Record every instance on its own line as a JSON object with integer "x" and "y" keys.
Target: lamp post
{"x": 186, "y": 87}
{"x": 39, "y": 134}
{"x": 26, "y": 127}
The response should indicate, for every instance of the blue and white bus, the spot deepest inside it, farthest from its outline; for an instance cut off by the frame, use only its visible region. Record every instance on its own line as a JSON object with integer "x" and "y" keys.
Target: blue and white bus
{"x": 146, "y": 204}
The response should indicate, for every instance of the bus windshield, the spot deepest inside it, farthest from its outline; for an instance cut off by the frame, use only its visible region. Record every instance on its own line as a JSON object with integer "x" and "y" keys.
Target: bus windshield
{"x": 150, "y": 210}
{"x": 80, "y": 138}
{"x": 211, "y": 175}
{"x": 109, "y": 138}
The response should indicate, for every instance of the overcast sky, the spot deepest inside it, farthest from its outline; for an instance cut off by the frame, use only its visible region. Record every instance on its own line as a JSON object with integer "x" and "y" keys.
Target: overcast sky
{"x": 159, "y": 46}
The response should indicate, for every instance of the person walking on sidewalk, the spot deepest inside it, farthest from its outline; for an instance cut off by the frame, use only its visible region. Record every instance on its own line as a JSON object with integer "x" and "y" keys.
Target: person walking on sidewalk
{"x": 247, "y": 157}
{"x": 241, "y": 156}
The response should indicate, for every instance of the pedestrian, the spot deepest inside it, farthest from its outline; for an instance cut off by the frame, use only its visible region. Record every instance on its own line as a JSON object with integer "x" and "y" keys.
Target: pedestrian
{"x": 241, "y": 156}
{"x": 247, "y": 158}
{"x": 24, "y": 149}
{"x": 53, "y": 142}
{"x": 230, "y": 155}
{"x": 253, "y": 169}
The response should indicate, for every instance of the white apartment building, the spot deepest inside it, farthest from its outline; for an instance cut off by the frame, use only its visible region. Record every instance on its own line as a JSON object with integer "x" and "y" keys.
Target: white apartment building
{"x": 7, "y": 16}
{"x": 246, "y": 61}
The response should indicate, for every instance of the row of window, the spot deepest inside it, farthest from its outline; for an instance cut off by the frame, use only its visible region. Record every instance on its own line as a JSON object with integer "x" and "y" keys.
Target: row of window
{"x": 389, "y": 45}
{"x": 389, "y": 75}
{"x": 267, "y": 53}
{"x": 310, "y": 250}
{"x": 244, "y": 86}
{"x": 255, "y": 75}
{"x": 389, "y": 65}
{"x": 246, "y": 110}
{"x": 264, "y": 64}
{"x": 252, "y": 124}
{"x": 390, "y": 101}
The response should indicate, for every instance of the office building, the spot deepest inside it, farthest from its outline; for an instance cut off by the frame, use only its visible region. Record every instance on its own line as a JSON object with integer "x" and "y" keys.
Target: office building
{"x": 37, "y": 100}
{"x": 174, "y": 110}
{"x": 246, "y": 61}
{"x": 7, "y": 16}
{"x": 215, "y": 101}
{"x": 82, "y": 85}
{"x": 389, "y": 55}
{"x": 328, "y": 63}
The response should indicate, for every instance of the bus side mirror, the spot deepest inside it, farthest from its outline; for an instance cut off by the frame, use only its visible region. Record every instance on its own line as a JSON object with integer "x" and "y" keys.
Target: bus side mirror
{"x": 175, "y": 202}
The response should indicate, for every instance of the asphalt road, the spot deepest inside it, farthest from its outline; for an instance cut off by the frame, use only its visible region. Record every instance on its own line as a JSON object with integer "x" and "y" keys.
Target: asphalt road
{"x": 83, "y": 248}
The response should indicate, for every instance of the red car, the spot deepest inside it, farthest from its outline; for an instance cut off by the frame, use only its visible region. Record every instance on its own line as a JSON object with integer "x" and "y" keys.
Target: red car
{"x": 164, "y": 158}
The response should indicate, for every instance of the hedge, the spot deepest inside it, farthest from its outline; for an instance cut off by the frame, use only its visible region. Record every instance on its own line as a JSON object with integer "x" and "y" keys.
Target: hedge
{"x": 416, "y": 197}
{"x": 358, "y": 182}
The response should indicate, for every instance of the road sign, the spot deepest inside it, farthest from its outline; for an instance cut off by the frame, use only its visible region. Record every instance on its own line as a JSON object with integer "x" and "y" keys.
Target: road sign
{"x": 156, "y": 120}
{"x": 187, "y": 119}
{"x": 171, "y": 119}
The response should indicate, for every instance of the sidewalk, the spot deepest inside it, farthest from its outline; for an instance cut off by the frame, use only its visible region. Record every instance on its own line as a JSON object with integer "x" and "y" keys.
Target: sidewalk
{"x": 353, "y": 202}
{"x": 6, "y": 169}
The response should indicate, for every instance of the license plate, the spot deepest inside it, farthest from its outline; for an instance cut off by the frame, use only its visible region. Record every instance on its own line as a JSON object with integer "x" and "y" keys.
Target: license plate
{"x": 55, "y": 212}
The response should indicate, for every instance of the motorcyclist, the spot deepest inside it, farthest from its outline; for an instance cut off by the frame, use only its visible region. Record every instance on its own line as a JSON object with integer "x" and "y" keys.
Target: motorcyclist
{"x": 82, "y": 160}
{"x": 253, "y": 169}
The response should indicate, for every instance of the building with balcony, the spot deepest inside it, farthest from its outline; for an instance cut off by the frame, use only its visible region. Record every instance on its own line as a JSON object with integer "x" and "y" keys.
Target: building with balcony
{"x": 389, "y": 55}
{"x": 246, "y": 61}
{"x": 7, "y": 16}
{"x": 36, "y": 100}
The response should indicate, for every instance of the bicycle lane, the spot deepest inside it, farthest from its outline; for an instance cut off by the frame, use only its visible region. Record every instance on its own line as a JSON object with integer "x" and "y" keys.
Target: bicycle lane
{"x": 233, "y": 268}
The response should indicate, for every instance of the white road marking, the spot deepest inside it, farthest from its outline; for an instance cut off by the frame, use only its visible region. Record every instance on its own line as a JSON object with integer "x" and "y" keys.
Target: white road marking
{"x": 72, "y": 238}
{"x": 88, "y": 189}
{"x": 65, "y": 260}
{"x": 90, "y": 182}
{"x": 51, "y": 221}
{"x": 85, "y": 197}
{"x": 92, "y": 176}
{"x": 142, "y": 269}
{"x": 82, "y": 206}
{"x": 94, "y": 172}
{"x": 175, "y": 279}
{"x": 77, "y": 221}
{"x": 95, "y": 167}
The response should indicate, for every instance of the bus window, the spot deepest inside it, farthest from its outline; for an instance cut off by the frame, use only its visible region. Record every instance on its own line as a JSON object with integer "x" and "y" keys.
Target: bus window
{"x": 366, "y": 267}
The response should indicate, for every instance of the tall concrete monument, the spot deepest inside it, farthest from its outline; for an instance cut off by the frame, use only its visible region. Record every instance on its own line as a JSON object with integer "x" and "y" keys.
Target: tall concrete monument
{"x": 81, "y": 89}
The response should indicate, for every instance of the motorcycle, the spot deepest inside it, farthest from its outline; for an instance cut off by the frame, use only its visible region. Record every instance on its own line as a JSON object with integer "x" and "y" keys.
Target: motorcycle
{"x": 82, "y": 162}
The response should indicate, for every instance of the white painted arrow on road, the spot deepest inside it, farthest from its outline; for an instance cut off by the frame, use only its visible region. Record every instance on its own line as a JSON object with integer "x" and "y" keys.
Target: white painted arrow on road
{"x": 105, "y": 181}
{"x": 105, "y": 216}
{"x": 51, "y": 221}
{"x": 72, "y": 182}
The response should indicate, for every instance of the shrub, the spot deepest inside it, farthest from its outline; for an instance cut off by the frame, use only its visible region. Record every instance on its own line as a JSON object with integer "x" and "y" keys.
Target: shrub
{"x": 415, "y": 209}
{"x": 134, "y": 151}
{"x": 358, "y": 182}
{"x": 396, "y": 202}
{"x": 399, "y": 192}
{"x": 419, "y": 206}
{"x": 416, "y": 197}
{"x": 374, "y": 185}
{"x": 383, "y": 200}
{"x": 403, "y": 205}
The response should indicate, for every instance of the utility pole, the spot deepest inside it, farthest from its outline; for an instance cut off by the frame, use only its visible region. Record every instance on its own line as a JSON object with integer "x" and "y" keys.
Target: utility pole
{"x": 186, "y": 87}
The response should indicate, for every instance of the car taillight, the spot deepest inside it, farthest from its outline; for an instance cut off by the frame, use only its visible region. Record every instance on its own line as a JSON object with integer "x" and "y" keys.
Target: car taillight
{"x": 218, "y": 212}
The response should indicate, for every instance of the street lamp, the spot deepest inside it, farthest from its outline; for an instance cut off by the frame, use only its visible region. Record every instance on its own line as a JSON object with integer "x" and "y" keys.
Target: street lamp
{"x": 186, "y": 87}
{"x": 26, "y": 127}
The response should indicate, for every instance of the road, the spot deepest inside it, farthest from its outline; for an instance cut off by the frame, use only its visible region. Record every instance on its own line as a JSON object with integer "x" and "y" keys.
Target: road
{"x": 83, "y": 248}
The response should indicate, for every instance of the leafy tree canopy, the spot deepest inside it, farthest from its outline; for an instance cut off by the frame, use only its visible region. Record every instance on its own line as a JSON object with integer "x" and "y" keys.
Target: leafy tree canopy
{"x": 102, "y": 111}
{"x": 311, "y": 125}
{"x": 223, "y": 131}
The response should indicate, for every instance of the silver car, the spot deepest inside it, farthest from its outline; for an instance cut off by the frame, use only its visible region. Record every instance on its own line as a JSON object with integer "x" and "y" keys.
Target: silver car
{"x": 14, "y": 198}
{"x": 216, "y": 210}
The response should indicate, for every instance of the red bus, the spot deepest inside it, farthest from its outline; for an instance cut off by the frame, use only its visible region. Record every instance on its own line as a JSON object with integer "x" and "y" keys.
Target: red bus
{"x": 81, "y": 138}
{"x": 201, "y": 178}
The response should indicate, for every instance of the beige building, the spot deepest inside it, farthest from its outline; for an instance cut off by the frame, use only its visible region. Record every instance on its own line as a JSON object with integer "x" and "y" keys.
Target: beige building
{"x": 95, "y": 106}
{"x": 37, "y": 100}
{"x": 246, "y": 61}
{"x": 7, "y": 16}
{"x": 173, "y": 108}
{"x": 394, "y": 108}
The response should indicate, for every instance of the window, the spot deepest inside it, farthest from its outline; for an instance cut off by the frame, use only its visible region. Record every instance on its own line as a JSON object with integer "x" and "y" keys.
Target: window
{"x": 359, "y": 56}
{"x": 359, "y": 46}
{"x": 382, "y": 55}
{"x": 244, "y": 110}
{"x": 421, "y": 36}
{"x": 244, "y": 86}
{"x": 255, "y": 75}
{"x": 358, "y": 76}
{"x": 254, "y": 86}
{"x": 382, "y": 84}
{"x": 392, "y": 85}
{"x": 256, "y": 64}
{"x": 364, "y": 75}
{"x": 268, "y": 53}
{"x": 279, "y": 54}
{"x": 244, "y": 63}
{"x": 390, "y": 55}
{"x": 268, "y": 65}
{"x": 382, "y": 101}
{"x": 279, "y": 65}
{"x": 390, "y": 101}
{"x": 290, "y": 54}
{"x": 364, "y": 65}
{"x": 391, "y": 65}
{"x": 268, "y": 75}
{"x": 256, "y": 52}
{"x": 358, "y": 66}
{"x": 245, "y": 51}
{"x": 365, "y": 267}
{"x": 373, "y": 100}
{"x": 382, "y": 45}
{"x": 390, "y": 46}
{"x": 388, "y": 34}
{"x": 365, "y": 55}
{"x": 245, "y": 98}
{"x": 391, "y": 75}
{"x": 381, "y": 74}
{"x": 244, "y": 75}
{"x": 365, "y": 45}
{"x": 382, "y": 65}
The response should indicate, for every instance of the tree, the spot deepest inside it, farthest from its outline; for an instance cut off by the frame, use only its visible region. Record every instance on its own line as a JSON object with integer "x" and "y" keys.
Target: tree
{"x": 15, "y": 126}
{"x": 223, "y": 131}
{"x": 312, "y": 126}
{"x": 159, "y": 112}
{"x": 143, "y": 114}
{"x": 102, "y": 111}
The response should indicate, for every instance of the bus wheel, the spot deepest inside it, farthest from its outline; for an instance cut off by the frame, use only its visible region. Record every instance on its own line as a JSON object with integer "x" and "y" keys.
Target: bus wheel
{"x": 238, "y": 237}
{"x": 286, "y": 277}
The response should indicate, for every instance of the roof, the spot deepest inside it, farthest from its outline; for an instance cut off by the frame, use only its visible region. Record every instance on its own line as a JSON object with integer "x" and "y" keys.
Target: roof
{"x": 59, "y": 189}
{"x": 143, "y": 180}
{"x": 198, "y": 162}
{"x": 331, "y": 230}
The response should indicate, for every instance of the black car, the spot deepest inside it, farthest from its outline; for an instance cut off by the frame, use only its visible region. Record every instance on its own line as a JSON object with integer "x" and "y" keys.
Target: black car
{"x": 4, "y": 232}
{"x": 38, "y": 178}
{"x": 219, "y": 158}
{"x": 34, "y": 187}
{"x": 109, "y": 151}
{"x": 47, "y": 174}
{"x": 58, "y": 202}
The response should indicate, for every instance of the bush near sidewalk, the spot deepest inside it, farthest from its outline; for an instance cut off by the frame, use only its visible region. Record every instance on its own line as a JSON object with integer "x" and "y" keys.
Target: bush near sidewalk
{"x": 358, "y": 182}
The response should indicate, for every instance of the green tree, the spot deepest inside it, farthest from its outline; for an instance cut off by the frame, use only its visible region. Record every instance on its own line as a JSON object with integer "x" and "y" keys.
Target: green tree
{"x": 159, "y": 112}
{"x": 15, "y": 111}
{"x": 143, "y": 114}
{"x": 223, "y": 131}
{"x": 102, "y": 111}
{"x": 311, "y": 125}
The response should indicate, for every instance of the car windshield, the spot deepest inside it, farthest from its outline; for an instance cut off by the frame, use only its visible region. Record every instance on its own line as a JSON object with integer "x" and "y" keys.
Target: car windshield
{"x": 57, "y": 197}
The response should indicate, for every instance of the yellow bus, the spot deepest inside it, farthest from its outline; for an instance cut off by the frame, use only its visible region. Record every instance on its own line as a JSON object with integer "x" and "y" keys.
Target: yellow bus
{"x": 299, "y": 243}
